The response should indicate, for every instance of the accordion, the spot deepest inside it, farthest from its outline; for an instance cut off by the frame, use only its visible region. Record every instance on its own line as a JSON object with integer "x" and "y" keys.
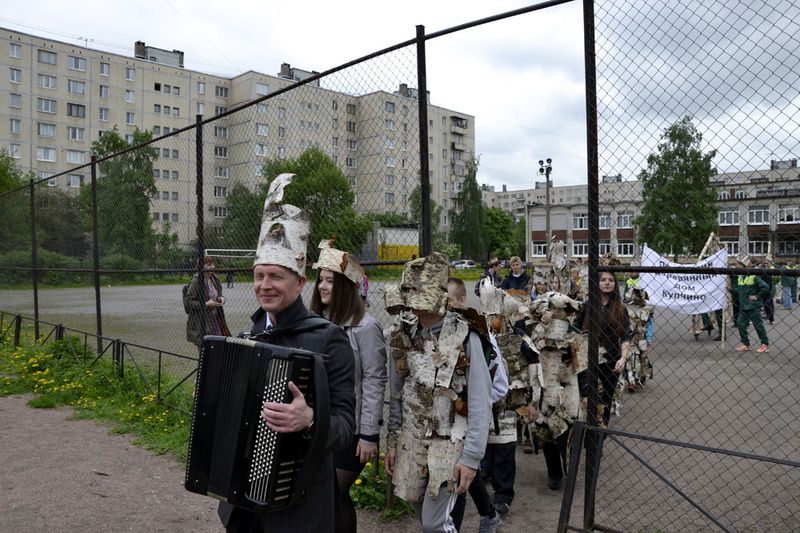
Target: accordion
{"x": 233, "y": 455}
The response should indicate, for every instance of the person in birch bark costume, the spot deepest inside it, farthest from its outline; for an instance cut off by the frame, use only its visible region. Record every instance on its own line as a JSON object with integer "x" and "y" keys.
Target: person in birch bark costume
{"x": 439, "y": 409}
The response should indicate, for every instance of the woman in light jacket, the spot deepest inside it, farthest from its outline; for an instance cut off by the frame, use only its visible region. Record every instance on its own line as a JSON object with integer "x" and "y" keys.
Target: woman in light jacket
{"x": 336, "y": 297}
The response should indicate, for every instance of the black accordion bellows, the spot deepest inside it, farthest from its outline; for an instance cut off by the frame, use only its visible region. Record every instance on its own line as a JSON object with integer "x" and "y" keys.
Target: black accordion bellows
{"x": 233, "y": 455}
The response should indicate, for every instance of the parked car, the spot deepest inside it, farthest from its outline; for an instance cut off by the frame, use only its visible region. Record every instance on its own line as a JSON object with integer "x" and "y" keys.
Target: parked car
{"x": 461, "y": 265}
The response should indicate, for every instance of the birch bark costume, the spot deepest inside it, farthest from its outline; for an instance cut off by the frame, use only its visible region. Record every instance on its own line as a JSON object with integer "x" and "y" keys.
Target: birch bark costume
{"x": 639, "y": 368}
{"x": 439, "y": 408}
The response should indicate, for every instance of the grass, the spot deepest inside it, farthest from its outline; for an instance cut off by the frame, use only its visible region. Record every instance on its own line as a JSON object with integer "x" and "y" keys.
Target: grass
{"x": 59, "y": 374}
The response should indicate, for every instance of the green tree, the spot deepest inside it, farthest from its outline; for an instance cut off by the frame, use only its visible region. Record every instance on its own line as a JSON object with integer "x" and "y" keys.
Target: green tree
{"x": 324, "y": 192}
{"x": 467, "y": 222}
{"x": 501, "y": 232}
{"x": 678, "y": 211}
{"x": 415, "y": 213}
{"x": 243, "y": 222}
{"x": 14, "y": 206}
{"x": 125, "y": 185}
{"x": 520, "y": 238}
{"x": 58, "y": 223}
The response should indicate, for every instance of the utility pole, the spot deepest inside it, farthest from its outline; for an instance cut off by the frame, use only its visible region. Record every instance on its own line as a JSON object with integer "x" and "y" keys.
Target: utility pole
{"x": 546, "y": 170}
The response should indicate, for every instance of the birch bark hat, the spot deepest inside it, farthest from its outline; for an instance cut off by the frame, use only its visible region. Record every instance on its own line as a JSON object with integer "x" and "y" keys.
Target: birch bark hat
{"x": 338, "y": 261}
{"x": 424, "y": 283}
{"x": 284, "y": 231}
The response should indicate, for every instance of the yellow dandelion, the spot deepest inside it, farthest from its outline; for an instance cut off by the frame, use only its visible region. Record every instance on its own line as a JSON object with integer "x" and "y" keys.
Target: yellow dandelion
{"x": 358, "y": 481}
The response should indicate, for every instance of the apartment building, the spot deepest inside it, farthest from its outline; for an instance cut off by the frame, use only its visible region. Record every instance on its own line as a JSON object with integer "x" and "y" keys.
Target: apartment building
{"x": 758, "y": 210}
{"x": 60, "y": 97}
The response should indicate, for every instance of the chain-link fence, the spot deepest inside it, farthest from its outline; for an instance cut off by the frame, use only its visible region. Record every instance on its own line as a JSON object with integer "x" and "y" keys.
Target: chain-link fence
{"x": 696, "y": 139}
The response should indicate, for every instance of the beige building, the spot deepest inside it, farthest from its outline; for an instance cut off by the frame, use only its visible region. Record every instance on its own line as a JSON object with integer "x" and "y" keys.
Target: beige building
{"x": 758, "y": 210}
{"x": 60, "y": 97}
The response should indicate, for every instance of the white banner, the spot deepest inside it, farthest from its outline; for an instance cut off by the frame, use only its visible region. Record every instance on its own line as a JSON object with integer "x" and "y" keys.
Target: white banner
{"x": 685, "y": 293}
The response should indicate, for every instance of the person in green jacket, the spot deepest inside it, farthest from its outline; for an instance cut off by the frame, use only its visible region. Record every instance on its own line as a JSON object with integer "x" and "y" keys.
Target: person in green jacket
{"x": 750, "y": 291}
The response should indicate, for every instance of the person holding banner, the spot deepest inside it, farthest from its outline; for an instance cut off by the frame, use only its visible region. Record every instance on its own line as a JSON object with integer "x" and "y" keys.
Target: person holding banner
{"x": 751, "y": 291}
{"x": 615, "y": 336}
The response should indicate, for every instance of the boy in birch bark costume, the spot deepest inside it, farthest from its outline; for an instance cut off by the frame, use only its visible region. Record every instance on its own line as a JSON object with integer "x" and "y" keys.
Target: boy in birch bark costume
{"x": 439, "y": 410}
{"x": 556, "y": 357}
{"x": 639, "y": 368}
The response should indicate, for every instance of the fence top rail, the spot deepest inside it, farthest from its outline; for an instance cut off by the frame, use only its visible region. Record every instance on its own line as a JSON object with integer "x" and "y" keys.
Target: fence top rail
{"x": 789, "y": 272}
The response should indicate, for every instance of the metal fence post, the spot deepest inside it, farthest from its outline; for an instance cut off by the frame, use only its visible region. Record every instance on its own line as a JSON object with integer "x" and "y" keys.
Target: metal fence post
{"x": 96, "y": 258}
{"x": 34, "y": 261}
{"x": 424, "y": 178}
{"x": 17, "y": 329}
{"x": 199, "y": 187}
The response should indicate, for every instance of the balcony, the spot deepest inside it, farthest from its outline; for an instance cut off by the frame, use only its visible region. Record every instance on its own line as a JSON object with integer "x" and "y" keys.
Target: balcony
{"x": 461, "y": 147}
{"x": 458, "y": 130}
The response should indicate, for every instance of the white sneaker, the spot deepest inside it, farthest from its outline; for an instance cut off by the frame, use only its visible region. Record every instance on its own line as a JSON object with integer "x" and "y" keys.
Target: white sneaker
{"x": 490, "y": 525}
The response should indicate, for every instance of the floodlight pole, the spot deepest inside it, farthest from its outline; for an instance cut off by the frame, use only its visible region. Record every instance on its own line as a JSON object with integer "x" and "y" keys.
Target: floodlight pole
{"x": 546, "y": 170}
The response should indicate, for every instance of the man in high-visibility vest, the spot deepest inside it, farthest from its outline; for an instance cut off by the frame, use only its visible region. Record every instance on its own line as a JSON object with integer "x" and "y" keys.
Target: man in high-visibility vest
{"x": 751, "y": 292}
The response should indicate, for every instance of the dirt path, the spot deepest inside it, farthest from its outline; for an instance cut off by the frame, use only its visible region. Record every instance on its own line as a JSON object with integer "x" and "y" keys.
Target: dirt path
{"x": 58, "y": 474}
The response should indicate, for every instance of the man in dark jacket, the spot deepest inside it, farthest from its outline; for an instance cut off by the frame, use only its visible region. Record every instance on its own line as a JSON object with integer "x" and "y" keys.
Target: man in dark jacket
{"x": 278, "y": 280}
{"x": 750, "y": 291}
{"x": 517, "y": 279}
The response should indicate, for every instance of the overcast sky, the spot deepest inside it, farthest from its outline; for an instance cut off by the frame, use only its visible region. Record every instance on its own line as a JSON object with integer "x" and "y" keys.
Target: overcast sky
{"x": 734, "y": 66}
{"x": 521, "y": 78}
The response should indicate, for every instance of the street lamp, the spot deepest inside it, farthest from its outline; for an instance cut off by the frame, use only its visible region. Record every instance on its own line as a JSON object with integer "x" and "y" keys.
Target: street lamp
{"x": 546, "y": 169}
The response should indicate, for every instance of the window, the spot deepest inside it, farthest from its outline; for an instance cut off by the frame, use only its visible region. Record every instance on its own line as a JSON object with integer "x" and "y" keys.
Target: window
{"x": 221, "y": 132}
{"x": 335, "y": 141}
{"x": 15, "y": 100}
{"x": 351, "y": 126}
{"x": 167, "y": 110}
{"x": 167, "y": 89}
{"x": 75, "y": 180}
{"x": 164, "y": 153}
{"x": 624, "y": 219}
{"x": 129, "y": 138}
{"x": 44, "y": 105}
{"x": 104, "y": 91}
{"x": 77, "y": 87}
{"x": 156, "y": 216}
{"x": 604, "y": 247}
{"x": 156, "y": 173}
{"x": 174, "y": 196}
{"x": 732, "y": 246}
{"x": 14, "y": 75}
{"x": 15, "y": 125}
{"x": 388, "y": 198}
{"x": 220, "y": 192}
{"x": 76, "y": 110}
{"x": 220, "y": 109}
{"x": 46, "y": 154}
{"x": 75, "y": 157}
{"x": 105, "y": 69}
{"x": 167, "y": 130}
{"x": 351, "y": 144}
{"x": 350, "y": 162}
{"x": 15, "y": 150}
{"x": 201, "y": 108}
{"x": 538, "y": 248}
{"x": 48, "y": 58}
{"x": 351, "y": 109}
{"x": 281, "y": 151}
{"x": 605, "y": 220}
{"x": 176, "y": 90}
{"x": 103, "y": 114}
{"x": 281, "y": 112}
{"x": 788, "y": 214}
{"x": 174, "y": 174}
{"x": 174, "y": 217}
{"x": 757, "y": 247}
{"x": 130, "y": 118}
{"x": 261, "y": 108}
{"x": 580, "y": 248}
{"x": 156, "y": 108}
{"x": 389, "y": 124}
{"x": 220, "y": 91}
{"x": 221, "y": 172}
{"x": 165, "y": 217}
{"x": 176, "y": 111}
{"x": 262, "y": 129}
{"x": 201, "y": 87}
{"x": 15, "y": 50}
{"x": 789, "y": 248}
{"x": 625, "y": 248}
{"x": 130, "y": 96}
{"x": 389, "y": 161}
{"x": 723, "y": 195}
{"x": 165, "y": 195}
{"x": 388, "y": 107}
{"x": 220, "y": 212}
{"x": 46, "y": 81}
{"x": 740, "y": 195}
{"x": 281, "y": 132}
{"x": 580, "y": 221}
{"x": 175, "y": 154}
{"x": 758, "y": 215}
{"x": 130, "y": 73}
{"x": 51, "y": 182}
{"x": 262, "y": 88}
{"x": 220, "y": 151}
{"x": 75, "y": 134}
{"x": 76, "y": 63}
{"x": 261, "y": 149}
{"x": 729, "y": 216}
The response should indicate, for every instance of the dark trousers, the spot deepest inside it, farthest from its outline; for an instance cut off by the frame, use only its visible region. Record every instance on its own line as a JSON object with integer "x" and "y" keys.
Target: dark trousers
{"x": 503, "y": 469}
{"x": 769, "y": 308}
{"x": 555, "y": 456}
{"x": 480, "y": 496}
{"x": 608, "y": 379}
{"x": 707, "y": 320}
